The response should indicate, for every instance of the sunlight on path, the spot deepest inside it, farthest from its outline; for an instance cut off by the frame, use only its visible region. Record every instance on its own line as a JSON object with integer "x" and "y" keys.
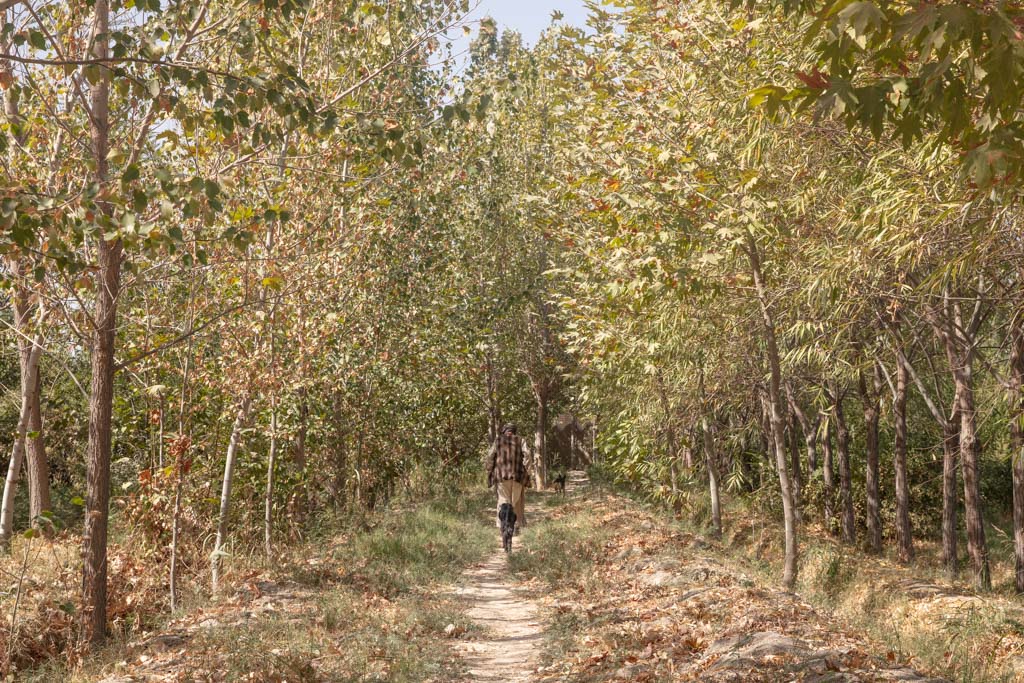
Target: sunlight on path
{"x": 510, "y": 646}
{"x": 512, "y": 638}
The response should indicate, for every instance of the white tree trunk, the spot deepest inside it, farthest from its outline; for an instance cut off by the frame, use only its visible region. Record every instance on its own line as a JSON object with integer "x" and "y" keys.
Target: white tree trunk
{"x": 225, "y": 493}
{"x": 29, "y": 384}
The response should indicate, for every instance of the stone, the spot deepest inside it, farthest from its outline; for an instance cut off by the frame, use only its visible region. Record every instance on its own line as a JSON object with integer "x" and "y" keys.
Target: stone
{"x": 742, "y": 650}
{"x": 629, "y": 672}
{"x": 165, "y": 642}
{"x": 657, "y": 579}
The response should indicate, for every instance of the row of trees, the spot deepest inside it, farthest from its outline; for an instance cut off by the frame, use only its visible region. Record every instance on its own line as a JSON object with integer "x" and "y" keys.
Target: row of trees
{"x": 744, "y": 272}
{"x": 262, "y": 260}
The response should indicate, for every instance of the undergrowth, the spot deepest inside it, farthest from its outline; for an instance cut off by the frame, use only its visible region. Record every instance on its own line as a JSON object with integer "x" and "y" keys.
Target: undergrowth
{"x": 372, "y": 605}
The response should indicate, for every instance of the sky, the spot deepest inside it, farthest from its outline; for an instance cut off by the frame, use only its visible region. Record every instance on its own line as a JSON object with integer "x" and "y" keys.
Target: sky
{"x": 530, "y": 17}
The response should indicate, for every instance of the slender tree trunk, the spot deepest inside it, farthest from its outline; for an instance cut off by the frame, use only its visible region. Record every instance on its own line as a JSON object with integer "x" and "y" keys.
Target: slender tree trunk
{"x": 268, "y": 501}
{"x": 671, "y": 442}
{"x": 181, "y": 447}
{"x": 811, "y": 443}
{"x": 225, "y": 494}
{"x": 849, "y": 523}
{"x": 809, "y": 428}
{"x": 179, "y": 450}
{"x": 950, "y": 449}
{"x": 11, "y": 483}
{"x": 300, "y": 450}
{"x": 871, "y": 476}
{"x": 34, "y": 449}
{"x": 798, "y": 475}
{"x": 101, "y": 397}
{"x": 1017, "y": 445}
{"x": 493, "y": 407}
{"x": 710, "y": 459}
{"x": 950, "y": 439}
{"x": 30, "y": 350}
{"x": 775, "y": 405}
{"x": 36, "y": 464}
{"x": 970, "y": 454}
{"x": 828, "y": 477}
{"x": 903, "y": 530}
{"x": 540, "y": 455}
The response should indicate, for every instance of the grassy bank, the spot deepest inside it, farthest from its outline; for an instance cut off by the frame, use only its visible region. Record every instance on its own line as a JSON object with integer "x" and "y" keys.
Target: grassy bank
{"x": 914, "y": 612}
{"x": 362, "y": 600}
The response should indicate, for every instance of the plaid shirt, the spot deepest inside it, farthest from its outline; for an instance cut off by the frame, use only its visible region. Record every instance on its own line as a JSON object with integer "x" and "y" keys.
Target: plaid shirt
{"x": 505, "y": 460}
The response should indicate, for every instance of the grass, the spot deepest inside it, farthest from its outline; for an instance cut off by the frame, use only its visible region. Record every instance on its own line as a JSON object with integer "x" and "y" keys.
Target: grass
{"x": 419, "y": 546}
{"x": 363, "y": 600}
{"x": 560, "y": 548}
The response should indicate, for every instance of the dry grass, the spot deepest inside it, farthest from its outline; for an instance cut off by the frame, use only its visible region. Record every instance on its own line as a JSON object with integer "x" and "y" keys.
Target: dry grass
{"x": 360, "y": 601}
{"x": 629, "y": 595}
{"x": 915, "y": 611}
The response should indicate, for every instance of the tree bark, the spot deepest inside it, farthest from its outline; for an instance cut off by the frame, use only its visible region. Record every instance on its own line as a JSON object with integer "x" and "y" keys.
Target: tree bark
{"x": 905, "y": 552}
{"x": 775, "y": 406}
{"x": 30, "y": 349}
{"x": 827, "y": 475}
{"x": 101, "y": 396}
{"x": 950, "y": 450}
{"x": 225, "y": 494}
{"x": 959, "y": 344}
{"x": 493, "y": 405}
{"x": 1017, "y": 445}
{"x": 950, "y": 439}
{"x": 268, "y": 501}
{"x": 809, "y": 428}
{"x": 849, "y": 524}
{"x": 300, "y": 451}
{"x": 710, "y": 459}
{"x": 970, "y": 454}
{"x": 36, "y": 463}
{"x": 798, "y": 475}
{"x": 869, "y": 399}
{"x": 540, "y": 444}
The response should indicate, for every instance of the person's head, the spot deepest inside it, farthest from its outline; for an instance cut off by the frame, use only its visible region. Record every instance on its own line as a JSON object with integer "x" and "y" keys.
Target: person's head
{"x": 509, "y": 429}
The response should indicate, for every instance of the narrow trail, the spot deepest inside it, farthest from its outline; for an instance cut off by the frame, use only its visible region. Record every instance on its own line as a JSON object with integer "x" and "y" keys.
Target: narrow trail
{"x": 510, "y": 647}
{"x": 513, "y": 629}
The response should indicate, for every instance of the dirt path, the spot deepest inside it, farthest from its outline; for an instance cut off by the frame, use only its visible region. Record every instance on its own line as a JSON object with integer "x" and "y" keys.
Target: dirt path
{"x": 510, "y": 645}
{"x": 510, "y": 648}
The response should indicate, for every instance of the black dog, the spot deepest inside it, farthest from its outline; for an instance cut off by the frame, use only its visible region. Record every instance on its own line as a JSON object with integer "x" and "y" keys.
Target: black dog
{"x": 507, "y": 517}
{"x": 560, "y": 483}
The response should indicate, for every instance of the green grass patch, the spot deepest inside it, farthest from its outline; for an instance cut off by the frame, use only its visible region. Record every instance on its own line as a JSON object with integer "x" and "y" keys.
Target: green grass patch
{"x": 559, "y": 549}
{"x": 414, "y": 546}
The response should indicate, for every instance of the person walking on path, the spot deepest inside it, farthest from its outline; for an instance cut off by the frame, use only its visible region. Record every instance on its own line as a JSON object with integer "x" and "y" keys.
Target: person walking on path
{"x": 506, "y": 469}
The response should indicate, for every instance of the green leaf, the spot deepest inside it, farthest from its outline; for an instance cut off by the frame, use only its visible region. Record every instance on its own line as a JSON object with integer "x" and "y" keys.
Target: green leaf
{"x": 131, "y": 173}
{"x": 37, "y": 40}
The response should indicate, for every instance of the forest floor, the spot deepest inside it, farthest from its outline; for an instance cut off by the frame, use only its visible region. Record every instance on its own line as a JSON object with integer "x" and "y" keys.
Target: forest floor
{"x": 597, "y": 588}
